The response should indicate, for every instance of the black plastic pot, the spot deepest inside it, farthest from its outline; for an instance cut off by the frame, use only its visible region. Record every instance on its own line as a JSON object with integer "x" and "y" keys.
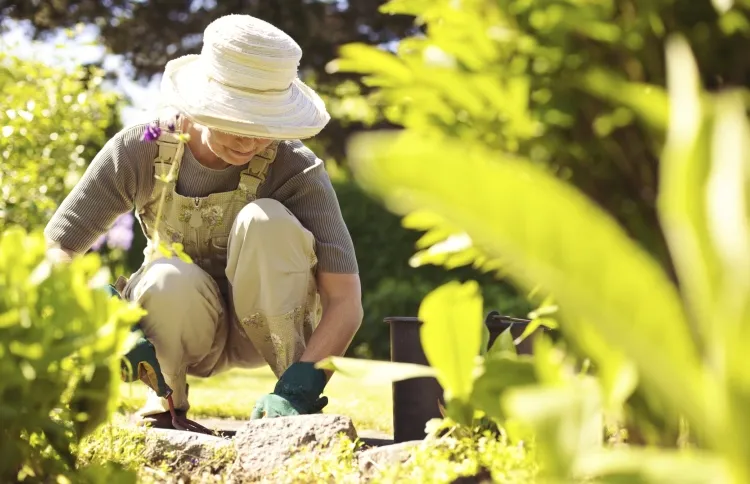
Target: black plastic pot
{"x": 415, "y": 401}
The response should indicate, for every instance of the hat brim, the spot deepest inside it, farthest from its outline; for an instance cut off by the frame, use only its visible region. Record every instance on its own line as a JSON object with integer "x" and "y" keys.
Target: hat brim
{"x": 295, "y": 113}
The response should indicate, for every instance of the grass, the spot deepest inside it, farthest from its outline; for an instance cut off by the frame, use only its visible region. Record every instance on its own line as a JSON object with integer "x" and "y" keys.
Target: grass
{"x": 233, "y": 393}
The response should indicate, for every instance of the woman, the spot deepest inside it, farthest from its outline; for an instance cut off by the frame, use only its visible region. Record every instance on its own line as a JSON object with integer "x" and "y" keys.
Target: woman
{"x": 274, "y": 277}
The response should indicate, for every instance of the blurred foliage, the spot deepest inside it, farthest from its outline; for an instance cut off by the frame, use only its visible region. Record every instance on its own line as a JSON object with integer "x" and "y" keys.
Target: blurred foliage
{"x": 616, "y": 303}
{"x": 60, "y": 342}
{"x": 52, "y": 123}
{"x": 644, "y": 337}
{"x": 391, "y": 286}
{"x": 555, "y": 81}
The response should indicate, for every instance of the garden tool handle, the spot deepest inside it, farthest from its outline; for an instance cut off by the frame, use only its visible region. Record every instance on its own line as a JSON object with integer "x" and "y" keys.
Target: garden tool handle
{"x": 185, "y": 424}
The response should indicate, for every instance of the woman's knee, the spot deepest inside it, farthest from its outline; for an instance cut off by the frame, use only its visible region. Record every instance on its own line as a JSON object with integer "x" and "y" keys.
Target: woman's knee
{"x": 171, "y": 282}
{"x": 178, "y": 297}
{"x": 266, "y": 216}
{"x": 268, "y": 222}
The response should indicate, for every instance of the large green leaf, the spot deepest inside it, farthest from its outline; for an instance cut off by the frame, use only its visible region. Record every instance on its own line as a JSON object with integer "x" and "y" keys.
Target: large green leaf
{"x": 728, "y": 207}
{"x": 551, "y": 236}
{"x": 374, "y": 371}
{"x": 705, "y": 209}
{"x": 499, "y": 373}
{"x": 684, "y": 169}
{"x": 451, "y": 335}
{"x": 566, "y": 421}
{"x": 651, "y": 466}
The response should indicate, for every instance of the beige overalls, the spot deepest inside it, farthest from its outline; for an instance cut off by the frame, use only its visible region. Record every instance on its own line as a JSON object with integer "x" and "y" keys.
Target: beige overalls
{"x": 248, "y": 299}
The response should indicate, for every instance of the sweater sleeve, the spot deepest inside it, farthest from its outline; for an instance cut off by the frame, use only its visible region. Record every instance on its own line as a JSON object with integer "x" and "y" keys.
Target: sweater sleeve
{"x": 302, "y": 184}
{"x": 115, "y": 181}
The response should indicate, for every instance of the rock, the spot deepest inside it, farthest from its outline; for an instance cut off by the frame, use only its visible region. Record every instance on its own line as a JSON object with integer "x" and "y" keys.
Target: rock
{"x": 371, "y": 460}
{"x": 178, "y": 448}
{"x": 263, "y": 445}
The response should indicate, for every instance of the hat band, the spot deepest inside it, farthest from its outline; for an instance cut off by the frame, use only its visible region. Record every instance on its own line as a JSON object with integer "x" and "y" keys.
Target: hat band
{"x": 248, "y": 90}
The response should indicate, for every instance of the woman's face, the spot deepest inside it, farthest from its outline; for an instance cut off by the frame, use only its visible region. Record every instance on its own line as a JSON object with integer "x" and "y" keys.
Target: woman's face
{"x": 235, "y": 150}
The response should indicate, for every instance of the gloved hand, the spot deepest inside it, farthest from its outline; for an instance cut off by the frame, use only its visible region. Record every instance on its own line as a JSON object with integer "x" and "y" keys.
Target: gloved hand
{"x": 140, "y": 362}
{"x": 296, "y": 393}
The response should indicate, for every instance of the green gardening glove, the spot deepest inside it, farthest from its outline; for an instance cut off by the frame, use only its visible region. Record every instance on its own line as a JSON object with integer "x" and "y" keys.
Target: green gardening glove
{"x": 296, "y": 393}
{"x": 140, "y": 362}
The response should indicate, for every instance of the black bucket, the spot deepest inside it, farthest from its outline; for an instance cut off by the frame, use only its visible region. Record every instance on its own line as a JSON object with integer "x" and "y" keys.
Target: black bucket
{"x": 415, "y": 401}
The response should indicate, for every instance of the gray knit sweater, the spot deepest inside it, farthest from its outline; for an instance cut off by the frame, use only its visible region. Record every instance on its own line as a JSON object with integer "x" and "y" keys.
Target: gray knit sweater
{"x": 120, "y": 178}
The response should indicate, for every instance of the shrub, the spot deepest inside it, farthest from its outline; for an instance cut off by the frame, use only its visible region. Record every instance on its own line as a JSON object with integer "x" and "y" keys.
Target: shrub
{"x": 60, "y": 342}
{"x": 52, "y": 124}
{"x": 53, "y": 121}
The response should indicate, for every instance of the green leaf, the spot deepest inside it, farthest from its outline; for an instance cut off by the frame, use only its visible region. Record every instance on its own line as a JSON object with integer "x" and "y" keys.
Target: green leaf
{"x": 55, "y": 433}
{"x": 649, "y": 102}
{"x": 91, "y": 400}
{"x": 374, "y": 371}
{"x": 566, "y": 420}
{"x": 498, "y": 373}
{"x": 384, "y": 68}
{"x": 651, "y": 466}
{"x": 451, "y": 335}
{"x": 728, "y": 208}
{"x": 179, "y": 250}
{"x": 704, "y": 206}
{"x": 549, "y": 235}
{"x": 503, "y": 343}
{"x": 683, "y": 173}
{"x": 533, "y": 325}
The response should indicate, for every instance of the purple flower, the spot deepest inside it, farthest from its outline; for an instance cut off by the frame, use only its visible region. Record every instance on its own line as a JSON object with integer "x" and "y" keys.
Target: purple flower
{"x": 152, "y": 133}
{"x": 125, "y": 220}
{"x": 121, "y": 233}
{"x": 99, "y": 242}
{"x": 120, "y": 236}
{"x": 172, "y": 124}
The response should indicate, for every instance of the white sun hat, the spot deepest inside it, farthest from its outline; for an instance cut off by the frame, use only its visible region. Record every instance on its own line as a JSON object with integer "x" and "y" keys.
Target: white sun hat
{"x": 245, "y": 82}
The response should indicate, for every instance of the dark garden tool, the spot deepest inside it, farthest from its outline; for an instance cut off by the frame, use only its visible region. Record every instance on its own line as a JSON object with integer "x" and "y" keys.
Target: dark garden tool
{"x": 140, "y": 363}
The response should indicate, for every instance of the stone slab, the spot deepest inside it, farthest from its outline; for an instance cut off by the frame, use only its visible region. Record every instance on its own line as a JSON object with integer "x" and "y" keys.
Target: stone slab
{"x": 262, "y": 446}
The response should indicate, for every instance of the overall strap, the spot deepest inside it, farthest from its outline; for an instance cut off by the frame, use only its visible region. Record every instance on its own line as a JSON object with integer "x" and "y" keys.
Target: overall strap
{"x": 171, "y": 149}
{"x": 257, "y": 170}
